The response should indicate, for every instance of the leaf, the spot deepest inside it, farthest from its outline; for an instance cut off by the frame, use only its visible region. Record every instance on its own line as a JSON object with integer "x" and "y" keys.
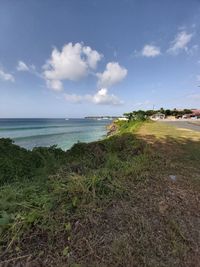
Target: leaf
{"x": 65, "y": 251}
{"x": 74, "y": 202}
{"x": 32, "y": 216}
{"x": 4, "y": 218}
{"x": 17, "y": 249}
{"x": 68, "y": 227}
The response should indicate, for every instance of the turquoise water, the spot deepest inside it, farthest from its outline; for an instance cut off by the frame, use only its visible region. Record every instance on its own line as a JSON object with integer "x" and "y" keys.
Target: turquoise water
{"x": 64, "y": 133}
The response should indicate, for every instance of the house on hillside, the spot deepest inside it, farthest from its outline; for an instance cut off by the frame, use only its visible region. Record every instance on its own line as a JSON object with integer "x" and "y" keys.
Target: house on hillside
{"x": 158, "y": 116}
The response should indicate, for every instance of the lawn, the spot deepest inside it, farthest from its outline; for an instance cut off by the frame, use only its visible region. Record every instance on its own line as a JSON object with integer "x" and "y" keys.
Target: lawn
{"x": 163, "y": 131}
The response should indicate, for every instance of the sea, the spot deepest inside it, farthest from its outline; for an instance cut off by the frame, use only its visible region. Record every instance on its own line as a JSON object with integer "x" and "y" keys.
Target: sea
{"x": 30, "y": 133}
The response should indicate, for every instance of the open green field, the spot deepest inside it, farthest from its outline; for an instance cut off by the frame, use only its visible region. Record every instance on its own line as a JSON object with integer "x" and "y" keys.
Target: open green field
{"x": 129, "y": 200}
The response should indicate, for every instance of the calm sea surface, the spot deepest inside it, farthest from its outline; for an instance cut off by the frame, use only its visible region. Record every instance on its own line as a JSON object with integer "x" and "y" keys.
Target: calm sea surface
{"x": 64, "y": 133}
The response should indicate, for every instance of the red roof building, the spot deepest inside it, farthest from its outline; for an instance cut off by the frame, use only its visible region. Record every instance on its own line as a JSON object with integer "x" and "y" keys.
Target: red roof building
{"x": 196, "y": 112}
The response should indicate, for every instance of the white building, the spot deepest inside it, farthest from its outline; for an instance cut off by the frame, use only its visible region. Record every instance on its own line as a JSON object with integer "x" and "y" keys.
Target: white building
{"x": 158, "y": 116}
{"x": 122, "y": 119}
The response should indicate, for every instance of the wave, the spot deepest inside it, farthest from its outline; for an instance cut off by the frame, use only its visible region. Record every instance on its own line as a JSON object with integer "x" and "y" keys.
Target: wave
{"x": 47, "y": 135}
{"x": 34, "y": 128}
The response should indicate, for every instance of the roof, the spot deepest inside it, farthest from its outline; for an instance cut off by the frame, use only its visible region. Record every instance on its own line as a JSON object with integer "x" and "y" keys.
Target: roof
{"x": 196, "y": 111}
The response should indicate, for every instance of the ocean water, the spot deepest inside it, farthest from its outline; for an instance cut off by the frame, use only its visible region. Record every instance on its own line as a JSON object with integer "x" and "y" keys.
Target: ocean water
{"x": 30, "y": 133}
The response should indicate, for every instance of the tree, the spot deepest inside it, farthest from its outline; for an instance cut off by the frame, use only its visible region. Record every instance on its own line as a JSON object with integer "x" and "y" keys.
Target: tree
{"x": 149, "y": 112}
{"x": 187, "y": 111}
{"x": 168, "y": 112}
{"x": 162, "y": 110}
{"x": 128, "y": 115}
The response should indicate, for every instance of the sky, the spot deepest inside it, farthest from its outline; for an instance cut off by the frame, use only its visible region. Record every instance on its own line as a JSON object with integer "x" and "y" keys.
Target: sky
{"x": 75, "y": 58}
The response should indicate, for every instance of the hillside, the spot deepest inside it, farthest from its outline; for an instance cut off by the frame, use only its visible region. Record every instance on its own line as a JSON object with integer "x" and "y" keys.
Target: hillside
{"x": 131, "y": 199}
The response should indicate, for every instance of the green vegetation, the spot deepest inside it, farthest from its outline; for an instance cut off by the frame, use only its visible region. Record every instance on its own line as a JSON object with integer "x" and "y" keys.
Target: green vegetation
{"x": 142, "y": 115}
{"x": 106, "y": 203}
{"x": 18, "y": 164}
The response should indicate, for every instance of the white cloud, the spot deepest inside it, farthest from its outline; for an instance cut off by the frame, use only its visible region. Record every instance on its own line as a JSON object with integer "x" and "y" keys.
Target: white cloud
{"x": 198, "y": 78}
{"x": 73, "y": 62}
{"x": 100, "y": 98}
{"x": 6, "y": 76}
{"x": 113, "y": 74}
{"x": 22, "y": 66}
{"x": 93, "y": 57}
{"x": 150, "y": 51}
{"x": 55, "y": 85}
{"x": 180, "y": 42}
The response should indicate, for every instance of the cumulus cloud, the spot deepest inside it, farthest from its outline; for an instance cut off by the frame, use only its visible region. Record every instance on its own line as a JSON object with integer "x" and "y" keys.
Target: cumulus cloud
{"x": 93, "y": 57}
{"x": 22, "y": 66}
{"x": 180, "y": 42}
{"x": 76, "y": 61}
{"x": 113, "y": 74}
{"x": 100, "y": 98}
{"x": 6, "y": 76}
{"x": 150, "y": 51}
{"x": 72, "y": 63}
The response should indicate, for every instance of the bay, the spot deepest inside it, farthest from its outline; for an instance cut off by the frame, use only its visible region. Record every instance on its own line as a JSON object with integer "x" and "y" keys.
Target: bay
{"x": 29, "y": 133}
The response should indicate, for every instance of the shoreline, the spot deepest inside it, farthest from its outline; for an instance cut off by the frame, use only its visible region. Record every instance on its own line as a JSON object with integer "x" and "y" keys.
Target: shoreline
{"x": 101, "y": 191}
{"x": 111, "y": 129}
{"x": 39, "y": 133}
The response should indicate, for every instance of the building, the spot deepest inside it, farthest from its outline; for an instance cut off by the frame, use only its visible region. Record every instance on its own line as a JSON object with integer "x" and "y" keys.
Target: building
{"x": 195, "y": 114}
{"x": 122, "y": 119}
{"x": 158, "y": 116}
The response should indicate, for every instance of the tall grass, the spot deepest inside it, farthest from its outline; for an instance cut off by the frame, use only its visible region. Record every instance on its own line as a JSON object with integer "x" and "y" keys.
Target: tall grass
{"x": 43, "y": 189}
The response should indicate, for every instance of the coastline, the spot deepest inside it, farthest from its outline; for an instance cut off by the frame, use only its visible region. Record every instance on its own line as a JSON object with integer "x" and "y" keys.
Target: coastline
{"x": 112, "y": 128}
{"x": 96, "y": 193}
{"x": 31, "y": 133}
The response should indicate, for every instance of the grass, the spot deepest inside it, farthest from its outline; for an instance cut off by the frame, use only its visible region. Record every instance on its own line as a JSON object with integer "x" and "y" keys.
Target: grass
{"x": 106, "y": 203}
{"x": 182, "y": 146}
{"x": 163, "y": 131}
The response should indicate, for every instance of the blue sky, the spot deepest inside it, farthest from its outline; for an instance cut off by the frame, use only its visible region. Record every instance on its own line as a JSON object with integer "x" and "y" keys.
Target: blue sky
{"x": 76, "y": 58}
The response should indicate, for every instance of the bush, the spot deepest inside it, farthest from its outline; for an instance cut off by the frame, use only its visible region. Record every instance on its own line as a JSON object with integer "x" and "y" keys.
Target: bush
{"x": 17, "y": 163}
